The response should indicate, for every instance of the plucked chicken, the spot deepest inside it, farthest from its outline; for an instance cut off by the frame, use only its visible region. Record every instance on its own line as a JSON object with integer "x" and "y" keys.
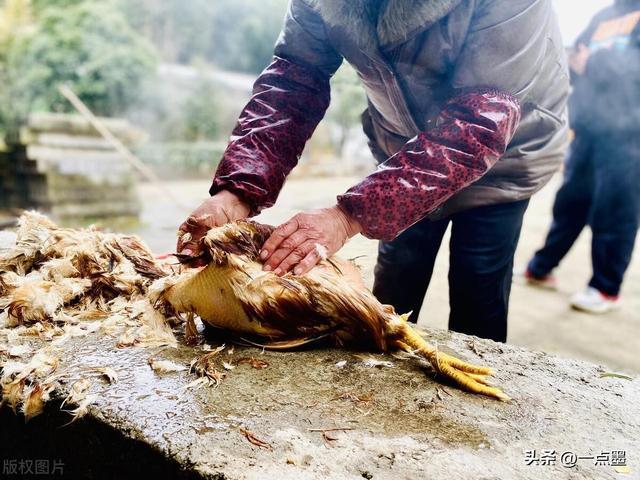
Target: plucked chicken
{"x": 233, "y": 293}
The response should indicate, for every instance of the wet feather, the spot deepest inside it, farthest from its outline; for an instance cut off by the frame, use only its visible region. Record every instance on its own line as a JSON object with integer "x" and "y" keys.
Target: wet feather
{"x": 233, "y": 293}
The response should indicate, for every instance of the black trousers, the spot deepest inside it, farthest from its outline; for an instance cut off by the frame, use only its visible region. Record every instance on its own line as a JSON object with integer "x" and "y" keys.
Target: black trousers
{"x": 483, "y": 243}
{"x": 601, "y": 189}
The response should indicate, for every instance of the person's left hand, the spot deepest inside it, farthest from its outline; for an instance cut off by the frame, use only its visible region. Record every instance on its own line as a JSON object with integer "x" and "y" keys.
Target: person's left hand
{"x": 307, "y": 238}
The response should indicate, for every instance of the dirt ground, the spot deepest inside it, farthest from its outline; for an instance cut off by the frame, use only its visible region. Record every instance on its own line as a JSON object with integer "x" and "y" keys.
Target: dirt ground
{"x": 540, "y": 320}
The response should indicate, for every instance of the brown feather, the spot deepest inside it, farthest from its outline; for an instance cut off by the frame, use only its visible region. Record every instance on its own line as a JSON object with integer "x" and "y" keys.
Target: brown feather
{"x": 234, "y": 294}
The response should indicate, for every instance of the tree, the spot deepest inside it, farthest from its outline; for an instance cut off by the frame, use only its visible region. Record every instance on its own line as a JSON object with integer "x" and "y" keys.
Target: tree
{"x": 237, "y": 35}
{"x": 179, "y": 29}
{"x": 244, "y": 33}
{"x": 40, "y": 5}
{"x": 17, "y": 30}
{"x": 200, "y": 112}
{"x": 88, "y": 45}
{"x": 91, "y": 46}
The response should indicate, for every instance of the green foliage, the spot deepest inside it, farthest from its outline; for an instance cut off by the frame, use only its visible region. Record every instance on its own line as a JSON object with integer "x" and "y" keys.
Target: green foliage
{"x": 88, "y": 45}
{"x": 178, "y": 111}
{"x": 237, "y": 35}
{"x": 173, "y": 159}
{"x": 244, "y": 33}
{"x": 103, "y": 51}
{"x": 178, "y": 28}
{"x": 17, "y": 30}
{"x": 91, "y": 47}
{"x": 40, "y": 5}
{"x": 200, "y": 112}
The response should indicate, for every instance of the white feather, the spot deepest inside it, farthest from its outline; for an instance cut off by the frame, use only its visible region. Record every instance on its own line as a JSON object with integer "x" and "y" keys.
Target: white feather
{"x": 165, "y": 366}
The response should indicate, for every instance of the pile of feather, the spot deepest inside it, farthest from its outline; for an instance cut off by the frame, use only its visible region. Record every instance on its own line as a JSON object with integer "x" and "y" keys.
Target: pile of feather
{"x": 58, "y": 283}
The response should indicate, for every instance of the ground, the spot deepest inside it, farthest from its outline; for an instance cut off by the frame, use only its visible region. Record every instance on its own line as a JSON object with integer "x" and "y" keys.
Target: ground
{"x": 539, "y": 320}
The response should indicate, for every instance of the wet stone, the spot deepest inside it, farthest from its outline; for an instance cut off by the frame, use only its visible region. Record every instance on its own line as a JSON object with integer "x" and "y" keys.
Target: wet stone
{"x": 304, "y": 417}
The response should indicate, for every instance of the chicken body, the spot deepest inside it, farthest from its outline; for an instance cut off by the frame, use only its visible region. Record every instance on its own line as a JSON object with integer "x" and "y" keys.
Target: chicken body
{"x": 233, "y": 293}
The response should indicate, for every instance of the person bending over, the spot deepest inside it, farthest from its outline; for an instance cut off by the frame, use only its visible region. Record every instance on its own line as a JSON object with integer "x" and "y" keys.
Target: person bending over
{"x": 466, "y": 117}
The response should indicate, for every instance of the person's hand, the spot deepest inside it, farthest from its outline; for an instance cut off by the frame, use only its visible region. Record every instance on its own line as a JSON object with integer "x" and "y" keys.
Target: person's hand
{"x": 306, "y": 239}
{"x": 578, "y": 59}
{"x": 222, "y": 208}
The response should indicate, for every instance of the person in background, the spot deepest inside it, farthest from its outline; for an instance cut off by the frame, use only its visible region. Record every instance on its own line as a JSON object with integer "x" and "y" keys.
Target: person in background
{"x": 466, "y": 116}
{"x": 601, "y": 185}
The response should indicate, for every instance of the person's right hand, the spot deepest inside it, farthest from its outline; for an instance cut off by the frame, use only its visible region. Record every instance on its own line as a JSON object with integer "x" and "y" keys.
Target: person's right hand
{"x": 222, "y": 208}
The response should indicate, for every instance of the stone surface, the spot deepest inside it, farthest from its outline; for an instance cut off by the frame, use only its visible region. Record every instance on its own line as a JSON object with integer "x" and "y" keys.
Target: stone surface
{"x": 65, "y": 167}
{"x": 407, "y": 425}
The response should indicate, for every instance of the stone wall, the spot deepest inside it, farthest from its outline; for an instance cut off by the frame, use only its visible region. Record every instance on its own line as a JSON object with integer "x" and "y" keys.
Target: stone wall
{"x": 62, "y": 166}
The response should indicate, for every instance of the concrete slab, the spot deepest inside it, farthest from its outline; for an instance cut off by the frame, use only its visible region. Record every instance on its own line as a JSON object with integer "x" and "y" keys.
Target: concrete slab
{"x": 325, "y": 413}
{"x": 318, "y": 419}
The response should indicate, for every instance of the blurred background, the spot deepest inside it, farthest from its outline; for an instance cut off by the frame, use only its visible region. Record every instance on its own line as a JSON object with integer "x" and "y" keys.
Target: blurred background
{"x": 168, "y": 78}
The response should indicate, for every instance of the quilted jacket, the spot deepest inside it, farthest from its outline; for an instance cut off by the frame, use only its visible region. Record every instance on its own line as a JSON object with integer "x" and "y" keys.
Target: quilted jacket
{"x": 466, "y": 105}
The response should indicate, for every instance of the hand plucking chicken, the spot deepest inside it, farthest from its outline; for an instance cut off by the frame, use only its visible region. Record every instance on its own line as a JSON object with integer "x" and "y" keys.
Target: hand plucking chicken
{"x": 233, "y": 293}
{"x": 59, "y": 283}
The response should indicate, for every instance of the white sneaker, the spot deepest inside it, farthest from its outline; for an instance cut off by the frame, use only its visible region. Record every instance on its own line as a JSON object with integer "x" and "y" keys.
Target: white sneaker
{"x": 592, "y": 300}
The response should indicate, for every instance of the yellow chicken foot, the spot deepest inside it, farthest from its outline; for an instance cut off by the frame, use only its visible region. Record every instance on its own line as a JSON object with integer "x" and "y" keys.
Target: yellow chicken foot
{"x": 470, "y": 377}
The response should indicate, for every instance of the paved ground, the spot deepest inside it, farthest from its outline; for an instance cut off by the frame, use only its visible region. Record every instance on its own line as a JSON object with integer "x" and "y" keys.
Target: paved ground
{"x": 539, "y": 320}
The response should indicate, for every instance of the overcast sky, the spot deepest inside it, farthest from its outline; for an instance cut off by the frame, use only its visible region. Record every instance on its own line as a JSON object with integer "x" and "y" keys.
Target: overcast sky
{"x": 574, "y": 15}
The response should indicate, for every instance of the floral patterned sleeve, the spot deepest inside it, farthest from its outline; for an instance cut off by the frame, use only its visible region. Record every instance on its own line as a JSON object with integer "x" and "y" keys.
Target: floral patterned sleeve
{"x": 289, "y": 99}
{"x": 472, "y": 133}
